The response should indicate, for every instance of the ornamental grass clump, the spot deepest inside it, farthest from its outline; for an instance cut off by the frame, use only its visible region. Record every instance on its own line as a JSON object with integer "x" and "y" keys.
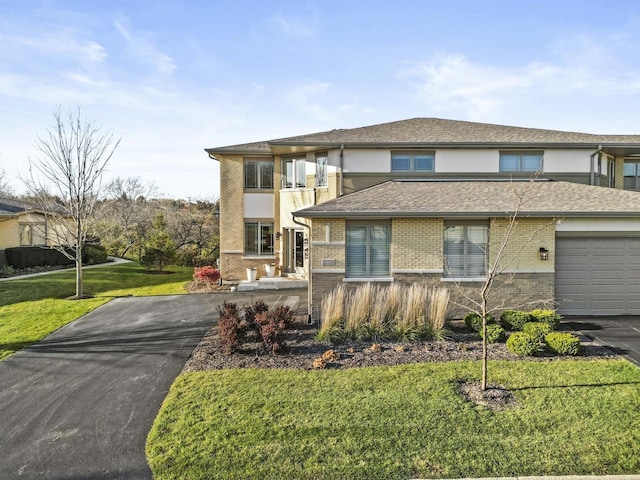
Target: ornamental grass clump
{"x": 372, "y": 312}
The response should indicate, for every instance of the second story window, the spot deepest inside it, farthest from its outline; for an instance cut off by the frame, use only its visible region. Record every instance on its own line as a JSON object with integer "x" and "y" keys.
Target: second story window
{"x": 631, "y": 175}
{"x": 321, "y": 170}
{"x": 258, "y": 174}
{"x": 412, "y": 161}
{"x": 294, "y": 173}
{"x": 520, "y": 161}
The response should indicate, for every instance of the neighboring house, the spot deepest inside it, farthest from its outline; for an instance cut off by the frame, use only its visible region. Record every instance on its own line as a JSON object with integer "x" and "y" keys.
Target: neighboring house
{"x": 426, "y": 200}
{"x": 22, "y": 225}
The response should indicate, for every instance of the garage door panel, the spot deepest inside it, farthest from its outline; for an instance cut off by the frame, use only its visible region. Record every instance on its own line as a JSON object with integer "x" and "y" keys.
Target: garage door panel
{"x": 598, "y": 276}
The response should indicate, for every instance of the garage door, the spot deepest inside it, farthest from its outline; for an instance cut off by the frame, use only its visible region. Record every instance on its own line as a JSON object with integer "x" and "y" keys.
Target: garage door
{"x": 598, "y": 276}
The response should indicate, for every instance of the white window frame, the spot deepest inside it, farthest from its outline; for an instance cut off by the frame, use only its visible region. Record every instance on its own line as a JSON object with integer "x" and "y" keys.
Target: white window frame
{"x": 298, "y": 167}
{"x": 322, "y": 170}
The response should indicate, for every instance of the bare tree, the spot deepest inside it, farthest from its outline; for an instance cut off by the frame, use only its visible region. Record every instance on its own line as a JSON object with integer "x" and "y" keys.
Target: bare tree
{"x": 478, "y": 300}
{"x": 5, "y": 189}
{"x": 66, "y": 180}
{"x": 129, "y": 215}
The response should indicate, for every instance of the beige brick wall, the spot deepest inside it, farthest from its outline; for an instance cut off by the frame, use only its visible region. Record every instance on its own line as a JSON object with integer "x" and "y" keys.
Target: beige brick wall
{"x": 619, "y": 173}
{"x": 416, "y": 243}
{"x": 522, "y": 252}
{"x": 332, "y": 250}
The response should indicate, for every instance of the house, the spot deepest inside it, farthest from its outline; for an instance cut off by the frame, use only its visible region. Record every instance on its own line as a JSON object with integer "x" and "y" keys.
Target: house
{"x": 22, "y": 224}
{"x": 428, "y": 200}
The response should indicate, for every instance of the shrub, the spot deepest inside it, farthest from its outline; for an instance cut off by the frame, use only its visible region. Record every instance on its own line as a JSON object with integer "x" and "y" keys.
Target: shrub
{"x": 514, "y": 319}
{"x": 473, "y": 321}
{"x": 537, "y": 330}
{"x": 522, "y": 344}
{"x": 562, "y": 343}
{"x": 283, "y": 314}
{"x": 25, "y": 257}
{"x": 495, "y": 333}
{"x": 270, "y": 329}
{"x": 547, "y": 316}
{"x": 207, "y": 276}
{"x": 250, "y": 312}
{"x": 94, "y": 254}
{"x": 230, "y": 330}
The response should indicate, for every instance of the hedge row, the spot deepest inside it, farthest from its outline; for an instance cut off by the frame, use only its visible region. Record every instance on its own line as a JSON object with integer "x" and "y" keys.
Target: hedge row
{"x": 26, "y": 257}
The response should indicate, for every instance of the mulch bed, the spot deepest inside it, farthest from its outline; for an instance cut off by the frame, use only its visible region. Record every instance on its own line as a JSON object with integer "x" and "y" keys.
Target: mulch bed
{"x": 302, "y": 349}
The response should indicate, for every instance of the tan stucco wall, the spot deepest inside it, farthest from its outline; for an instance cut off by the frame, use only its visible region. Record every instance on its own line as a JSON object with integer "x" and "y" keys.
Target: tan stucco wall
{"x": 9, "y": 233}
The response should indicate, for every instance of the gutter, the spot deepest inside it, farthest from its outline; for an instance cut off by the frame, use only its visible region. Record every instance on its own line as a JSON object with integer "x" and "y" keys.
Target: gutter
{"x": 310, "y": 281}
{"x": 592, "y": 164}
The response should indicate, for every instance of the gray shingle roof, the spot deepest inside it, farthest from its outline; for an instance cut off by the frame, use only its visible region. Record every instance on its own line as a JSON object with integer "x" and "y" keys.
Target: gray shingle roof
{"x": 478, "y": 199}
{"x": 437, "y": 131}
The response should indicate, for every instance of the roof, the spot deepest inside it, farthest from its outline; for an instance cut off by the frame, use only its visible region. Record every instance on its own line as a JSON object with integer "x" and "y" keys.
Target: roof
{"x": 10, "y": 207}
{"x": 432, "y": 132}
{"x": 480, "y": 199}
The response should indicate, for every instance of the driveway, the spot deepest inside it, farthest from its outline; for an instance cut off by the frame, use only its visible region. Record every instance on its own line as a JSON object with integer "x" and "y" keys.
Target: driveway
{"x": 621, "y": 333}
{"x": 80, "y": 403}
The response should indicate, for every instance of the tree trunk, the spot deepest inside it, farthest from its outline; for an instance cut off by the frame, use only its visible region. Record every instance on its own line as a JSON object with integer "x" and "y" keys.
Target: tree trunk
{"x": 79, "y": 283}
{"x": 484, "y": 349}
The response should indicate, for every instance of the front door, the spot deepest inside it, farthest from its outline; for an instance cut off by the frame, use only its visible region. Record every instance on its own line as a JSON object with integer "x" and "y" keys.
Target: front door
{"x": 294, "y": 250}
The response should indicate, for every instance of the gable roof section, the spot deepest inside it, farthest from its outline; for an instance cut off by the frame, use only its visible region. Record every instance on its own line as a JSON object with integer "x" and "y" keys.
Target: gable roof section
{"x": 431, "y": 132}
{"x": 481, "y": 199}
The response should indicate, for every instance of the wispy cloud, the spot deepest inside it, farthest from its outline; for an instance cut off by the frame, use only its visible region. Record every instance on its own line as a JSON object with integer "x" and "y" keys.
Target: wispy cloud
{"x": 454, "y": 83}
{"x": 141, "y": 46}
{"x": 296, "y": 26}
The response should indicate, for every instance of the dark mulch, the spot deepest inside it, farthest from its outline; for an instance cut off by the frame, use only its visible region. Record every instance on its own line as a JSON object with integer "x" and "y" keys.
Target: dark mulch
{"x": 302, "y": 349}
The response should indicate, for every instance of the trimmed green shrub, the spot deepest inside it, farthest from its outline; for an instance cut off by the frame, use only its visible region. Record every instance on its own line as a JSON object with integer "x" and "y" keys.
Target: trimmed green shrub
{"x": 514, "y": 319}
{"x": 537, "y": 330}
{"x": 495, "y": 333}
{"x": 547, "y": 316}
{"x": 522, "y": 344}
{"x": 25, "y": 257}
{"x": 94, "y": 254}
{"x": 562, "y": 343}
{"x": 473, "y": 321}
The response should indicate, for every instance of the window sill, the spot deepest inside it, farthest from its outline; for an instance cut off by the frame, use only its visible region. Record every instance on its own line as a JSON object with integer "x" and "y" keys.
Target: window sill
{"x": 463, "y": 279}
{"x": 367, "y": 279}
{"x": 258, "y": 257}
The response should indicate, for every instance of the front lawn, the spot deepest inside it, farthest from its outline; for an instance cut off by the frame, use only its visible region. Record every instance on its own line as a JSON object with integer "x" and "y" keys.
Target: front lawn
{"x": 32, "y": 308}
{"x": 573, "y": 417}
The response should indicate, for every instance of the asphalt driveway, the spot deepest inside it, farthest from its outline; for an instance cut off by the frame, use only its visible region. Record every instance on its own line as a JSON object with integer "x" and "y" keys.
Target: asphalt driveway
{"x": 620, "y": 333}
{"x": 80, "y": 403}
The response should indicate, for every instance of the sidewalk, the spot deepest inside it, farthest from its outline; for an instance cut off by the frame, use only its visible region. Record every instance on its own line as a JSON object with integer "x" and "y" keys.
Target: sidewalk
{"x": 112, "y": 261}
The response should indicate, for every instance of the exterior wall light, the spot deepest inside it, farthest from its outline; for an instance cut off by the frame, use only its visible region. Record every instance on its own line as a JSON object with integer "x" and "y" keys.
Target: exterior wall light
{"x": 544, "y": 253}
{"x": 278, "y": 235}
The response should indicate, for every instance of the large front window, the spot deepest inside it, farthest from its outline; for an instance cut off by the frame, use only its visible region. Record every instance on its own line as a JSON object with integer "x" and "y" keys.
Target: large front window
{"x": 258, "y": 174}
{"x": 32, "y": 234}
{"x": 258, "y": 238}
{"x": 368, "y": 250}
{"x": 631, "y": 175}
{"x": 465, "y": 250}
{"x": 520, "y": 161}
{"x": 294, "y": 172}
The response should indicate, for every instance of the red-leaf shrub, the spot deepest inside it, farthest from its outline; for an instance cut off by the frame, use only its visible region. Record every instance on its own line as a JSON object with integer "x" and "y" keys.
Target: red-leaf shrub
{"x": 250, "y": 312}
{"x": 270, "y": 330}
{"x": 230, "y": 331}
{"x": 208, "y": 275}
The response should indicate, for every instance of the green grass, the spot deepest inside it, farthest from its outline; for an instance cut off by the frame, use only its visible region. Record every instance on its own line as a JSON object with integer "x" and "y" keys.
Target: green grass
{"x": 32, "y": 308}
{"x": 574, "y": 417}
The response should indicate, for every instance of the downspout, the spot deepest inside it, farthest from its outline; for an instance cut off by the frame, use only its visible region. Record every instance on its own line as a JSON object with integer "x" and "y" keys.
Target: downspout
{"x": 593, "y": 165}
{"x": 309, "y": 283}
{"x": 341, "y": 167}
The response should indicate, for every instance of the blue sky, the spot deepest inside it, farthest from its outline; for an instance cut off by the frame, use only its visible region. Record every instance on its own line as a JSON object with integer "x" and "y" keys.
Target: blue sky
{"x": 173, "y": 77}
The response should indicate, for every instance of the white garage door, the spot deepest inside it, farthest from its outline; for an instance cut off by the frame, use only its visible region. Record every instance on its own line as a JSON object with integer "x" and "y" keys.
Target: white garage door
{"x": 598, "y": 276}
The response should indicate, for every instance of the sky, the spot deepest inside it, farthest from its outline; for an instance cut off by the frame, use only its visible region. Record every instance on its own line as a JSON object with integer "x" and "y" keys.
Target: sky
{"x": 171, "y": 78}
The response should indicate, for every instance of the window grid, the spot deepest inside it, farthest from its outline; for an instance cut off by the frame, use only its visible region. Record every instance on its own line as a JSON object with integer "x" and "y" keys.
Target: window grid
{"x": 258, "y": 174}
